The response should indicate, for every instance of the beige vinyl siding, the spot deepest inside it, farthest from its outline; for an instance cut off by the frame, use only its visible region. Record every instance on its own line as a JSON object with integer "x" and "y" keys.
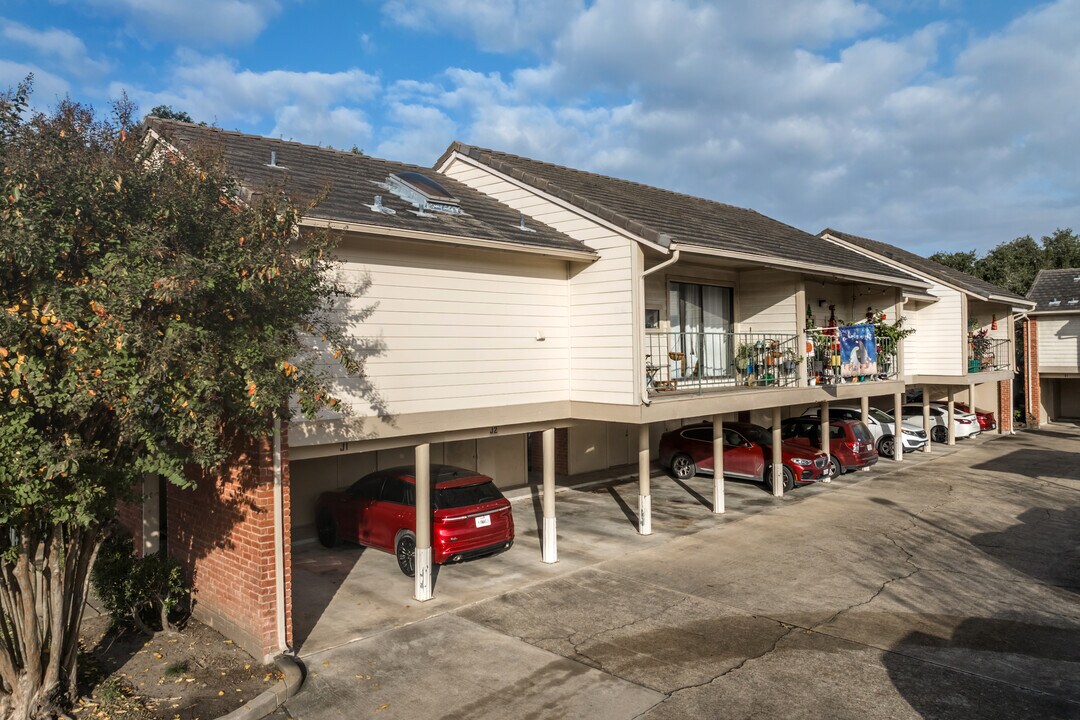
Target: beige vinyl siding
{"x": 939, "y": 344}
{"x": 1059, "y": 342}
{"x": 765, "y": 302}
{"x": 457, "y": 327}
{"x": 601, "y": 317}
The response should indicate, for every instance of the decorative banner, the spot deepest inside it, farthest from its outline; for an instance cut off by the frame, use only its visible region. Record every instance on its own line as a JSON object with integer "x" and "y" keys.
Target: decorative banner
{"x": 858, "y": 350}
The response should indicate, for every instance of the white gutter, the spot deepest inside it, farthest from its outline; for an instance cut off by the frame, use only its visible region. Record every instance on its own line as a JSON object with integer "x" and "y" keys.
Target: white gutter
{"x": 670, "y": 261}
{"x": 279, "y": 540}
{"x": 423, "y": 236}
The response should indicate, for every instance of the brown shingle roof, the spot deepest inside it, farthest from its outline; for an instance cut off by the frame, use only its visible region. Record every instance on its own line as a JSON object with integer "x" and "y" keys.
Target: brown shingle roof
{"x": 663, "y": 217}
{"x": 943, "y": 273}
{"x": 351, "y": 181}
{"x": 1062, "y": 286}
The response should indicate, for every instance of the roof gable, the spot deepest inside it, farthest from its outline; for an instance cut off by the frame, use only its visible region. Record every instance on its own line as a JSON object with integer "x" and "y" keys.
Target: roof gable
{"x": 1056, "y": 291}
{"x": 943, "y": 273}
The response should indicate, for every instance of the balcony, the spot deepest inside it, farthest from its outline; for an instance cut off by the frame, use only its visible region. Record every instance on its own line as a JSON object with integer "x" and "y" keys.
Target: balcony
{"x": 827, "y": 364}
{"x": 697, "y": 362}
{"x": 987, "y": 354}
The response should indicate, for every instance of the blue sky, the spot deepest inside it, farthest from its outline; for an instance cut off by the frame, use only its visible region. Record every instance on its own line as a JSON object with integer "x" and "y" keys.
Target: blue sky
{"x": 932, "y": 124}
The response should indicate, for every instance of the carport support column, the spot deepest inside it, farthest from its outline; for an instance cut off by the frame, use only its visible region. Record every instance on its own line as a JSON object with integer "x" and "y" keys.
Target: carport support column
{"x": 718, "y": 463}
{"x": 777, "y": 456}
{"x": 926, "y": 417}
{"x": 864, "y": 406}
{"x": 422, "y": 575}
{"x": 644, "y": 497}
{"x": 952, "y": 415}
{"x": 898, "y": 427}
{"x": 549, "y": 551}
{"x": 823, "y": 415}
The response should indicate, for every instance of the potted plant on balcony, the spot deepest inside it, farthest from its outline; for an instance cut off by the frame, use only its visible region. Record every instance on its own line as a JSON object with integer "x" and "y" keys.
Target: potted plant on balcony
{"x": 892, "y": 333}
{"x": 980, "y": 346}
{"x": 744, "y": 359}
{"x": 789, "y": 360}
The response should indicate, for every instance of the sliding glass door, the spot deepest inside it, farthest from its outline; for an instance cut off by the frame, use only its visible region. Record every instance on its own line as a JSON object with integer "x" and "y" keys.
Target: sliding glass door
{"x": 701, "y": 322}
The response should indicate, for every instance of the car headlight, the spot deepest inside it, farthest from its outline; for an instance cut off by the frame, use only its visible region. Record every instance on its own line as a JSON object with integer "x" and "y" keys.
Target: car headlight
{"x": 908, "y": 432}
{"x": 802, "y": 461}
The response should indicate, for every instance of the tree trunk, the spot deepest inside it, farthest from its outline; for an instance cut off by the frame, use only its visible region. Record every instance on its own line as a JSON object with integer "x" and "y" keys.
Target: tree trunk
{"x": 43, "y": 586}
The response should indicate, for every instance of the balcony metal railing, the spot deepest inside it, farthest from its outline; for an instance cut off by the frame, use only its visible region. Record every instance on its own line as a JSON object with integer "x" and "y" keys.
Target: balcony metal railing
{"x": 826, "y": 364}
{"x": 704, "y": 361}
{"x": 986, "y": 354}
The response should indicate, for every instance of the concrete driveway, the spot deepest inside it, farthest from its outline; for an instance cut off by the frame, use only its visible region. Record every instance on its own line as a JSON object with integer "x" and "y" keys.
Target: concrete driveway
{"x": 947, "y": 588}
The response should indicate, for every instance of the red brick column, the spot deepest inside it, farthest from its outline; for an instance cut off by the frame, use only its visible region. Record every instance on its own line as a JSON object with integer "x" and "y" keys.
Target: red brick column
{"x": 536, "y": 451}
{"x": 222, "y": 532}
{"x": 1033, "y": 394}
{"x": 1005, "y": 407}
{"x": 130, "y": 516}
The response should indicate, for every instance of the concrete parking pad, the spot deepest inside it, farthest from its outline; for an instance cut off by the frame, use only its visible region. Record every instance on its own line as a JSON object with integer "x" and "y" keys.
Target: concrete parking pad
{"x": 448, "y": 667}
{"x": 946, "y": 588}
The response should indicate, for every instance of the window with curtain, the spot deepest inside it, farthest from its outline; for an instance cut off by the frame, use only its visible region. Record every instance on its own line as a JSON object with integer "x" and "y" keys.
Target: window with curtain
{"x": 701, "y": 321}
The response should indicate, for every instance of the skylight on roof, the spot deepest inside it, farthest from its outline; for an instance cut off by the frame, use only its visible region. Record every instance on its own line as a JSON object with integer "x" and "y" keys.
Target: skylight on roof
{"x": 423, "y": 193}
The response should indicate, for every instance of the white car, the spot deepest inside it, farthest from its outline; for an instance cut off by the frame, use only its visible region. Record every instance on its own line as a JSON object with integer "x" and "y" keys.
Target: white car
{"x": 965, "y": 424}
{"x": 881, "y": 426}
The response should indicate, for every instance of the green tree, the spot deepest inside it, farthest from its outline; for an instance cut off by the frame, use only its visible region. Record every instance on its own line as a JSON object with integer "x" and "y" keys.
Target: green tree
{"x": 1012, "y": 265}
{"x": 166, "y": 112}
{"x": 1061, "y": 250}
{"x": 962, "y": 261}
{"x": 149, "y": 319}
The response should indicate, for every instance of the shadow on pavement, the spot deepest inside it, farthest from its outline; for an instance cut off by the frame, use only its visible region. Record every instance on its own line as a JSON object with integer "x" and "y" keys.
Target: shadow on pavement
{"x": 1041, "y": 529}
{"x": 1037, "y": 462}
{"x": 980, "y": 649}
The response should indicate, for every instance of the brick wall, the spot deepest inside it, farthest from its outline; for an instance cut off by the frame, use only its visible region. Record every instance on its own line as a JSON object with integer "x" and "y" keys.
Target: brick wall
{"x": 1033, "y": 395}
{"x": 130, "y": 516}
{"x": 536, "y": 451}
{"x": 1005, "y": 406}
{"x": 222, "y": 532}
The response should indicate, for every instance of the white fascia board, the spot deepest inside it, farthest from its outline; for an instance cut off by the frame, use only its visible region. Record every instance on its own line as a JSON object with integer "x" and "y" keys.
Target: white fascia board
{"x": 422, "y": 236}
{"x": 552, "y": 199}
{"x": 1015, "y": 303}
{"x": 808, "y": 267}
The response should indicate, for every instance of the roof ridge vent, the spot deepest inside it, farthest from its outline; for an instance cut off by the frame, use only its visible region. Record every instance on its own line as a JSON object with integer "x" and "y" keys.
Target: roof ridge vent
{"x": 378, "y": 207}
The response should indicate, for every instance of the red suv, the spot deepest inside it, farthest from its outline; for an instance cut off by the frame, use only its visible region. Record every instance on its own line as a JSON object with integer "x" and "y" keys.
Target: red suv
{"x": 471, "y": 517}
{"x": 747, "y": 454}
{"x": 851, "y": 445}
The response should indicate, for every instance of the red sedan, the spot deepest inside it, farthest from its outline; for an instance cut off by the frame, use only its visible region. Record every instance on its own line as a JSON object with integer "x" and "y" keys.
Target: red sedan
{"x": 747, "y": 454}
{"x": 987, "y": 421}
{"x": 471, "y": 517}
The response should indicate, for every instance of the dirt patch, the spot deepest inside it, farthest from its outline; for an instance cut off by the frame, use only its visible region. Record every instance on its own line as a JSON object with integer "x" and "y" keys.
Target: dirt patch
{"x": 195, "y": 674}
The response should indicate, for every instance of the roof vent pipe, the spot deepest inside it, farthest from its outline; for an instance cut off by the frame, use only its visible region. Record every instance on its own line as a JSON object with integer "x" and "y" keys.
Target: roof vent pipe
{"x": 273, "y": 158}
{"x": 521, "y": 225}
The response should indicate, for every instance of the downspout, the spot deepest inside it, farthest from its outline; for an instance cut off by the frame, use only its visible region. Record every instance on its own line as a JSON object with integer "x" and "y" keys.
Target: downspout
{"x": 1027, "y": 375}
{"x": 279, "y": 539}
{"x": 645, "y": 273}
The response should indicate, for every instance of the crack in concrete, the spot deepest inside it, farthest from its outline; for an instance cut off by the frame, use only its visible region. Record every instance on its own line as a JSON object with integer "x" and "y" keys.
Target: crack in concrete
{"x": 909, "y": 559}
{"x": 576, "y": 645}
{"x": 788, "y": 629}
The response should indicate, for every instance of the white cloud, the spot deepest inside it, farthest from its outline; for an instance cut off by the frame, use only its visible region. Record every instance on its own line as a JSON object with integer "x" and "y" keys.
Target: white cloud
{"x": 494, "y": 25}
{"x": 48, "y": 88}
{"x": 216, "y": 90}
{"x": 54, "y": 45}
{"x": 198, "y": 22}
{"x": 807, "y": 112}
